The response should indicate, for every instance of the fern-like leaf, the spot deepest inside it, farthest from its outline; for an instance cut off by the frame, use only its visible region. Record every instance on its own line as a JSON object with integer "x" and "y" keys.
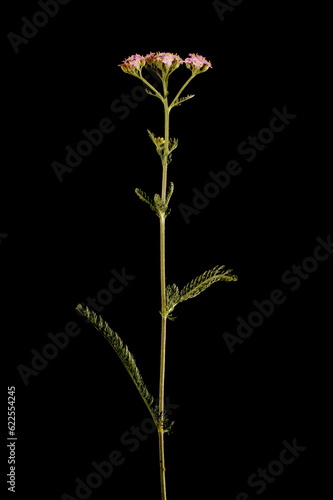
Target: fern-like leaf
{"x": 170, "y": 192}
{"x": 145, "y": 198}
{"x": 199, "y": 284}
{"x": 172, "y": 298}
{"x": 161, "y": 146}
{"x": 173, "y": 144}
{"x": 196, "y": 286}
{"x": 154, "y": 94}
{"x": 161, "y": 206}
{"x": 159, "y": 143}
{"x": 183, "y": 99}
{"x": 124, "y": 355}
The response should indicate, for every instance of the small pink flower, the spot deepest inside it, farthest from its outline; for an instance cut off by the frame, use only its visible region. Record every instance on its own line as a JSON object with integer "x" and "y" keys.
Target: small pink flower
{"x": 197, "y": 61}
{"x": 150, "y": 56}
{"x": 135, "y": 61}
{"x": 167, "y": 58}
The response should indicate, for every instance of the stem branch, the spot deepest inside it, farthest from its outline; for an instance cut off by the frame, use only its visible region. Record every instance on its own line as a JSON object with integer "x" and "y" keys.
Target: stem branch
{"x": 181, "y": 91}
{"x": 155, "y": 91}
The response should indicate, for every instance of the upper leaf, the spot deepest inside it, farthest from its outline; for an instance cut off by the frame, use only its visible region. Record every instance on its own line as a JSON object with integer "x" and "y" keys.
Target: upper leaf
{"x": 161, "y": 145}
{"x": 199, "y": 284}
{"x": 145, "y": 198}
{"x": 196, "y": 286}
{"x": 180, "y": 100}
{"x": 157, "y": 205}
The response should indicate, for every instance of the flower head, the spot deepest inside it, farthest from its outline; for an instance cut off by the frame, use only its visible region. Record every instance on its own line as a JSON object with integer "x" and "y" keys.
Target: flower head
{"x": 133, "y": 64}
{"x": 167, "y": 58}
{"x": 163, "y": 63}
{"x": 197, "y": 63}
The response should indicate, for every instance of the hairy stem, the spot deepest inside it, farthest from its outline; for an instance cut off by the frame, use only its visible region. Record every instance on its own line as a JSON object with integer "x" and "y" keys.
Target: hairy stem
{"x": 163, "y": 292}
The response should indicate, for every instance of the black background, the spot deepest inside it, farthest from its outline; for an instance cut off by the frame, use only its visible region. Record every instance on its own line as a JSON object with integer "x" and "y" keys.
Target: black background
{"x": 64, "y": 238}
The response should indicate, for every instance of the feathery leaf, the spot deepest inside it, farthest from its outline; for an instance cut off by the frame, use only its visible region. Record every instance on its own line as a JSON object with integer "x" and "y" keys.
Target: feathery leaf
{"x": 145, "y": 198}
{"x": 170, "y": 192}
{"x": 158, "y": 141}
{"x": 172, "y": 298}
{"x": 183, "y": 99}
{"x": 161, "y": 145}
{"x": 199, "y": 284}
{"x": 196, "y": 286}
{"x": 161, "y": 206}
{"x": 124, "y": 355}
{"x": 154, "y": 94}
{"x": 173, "y": 144}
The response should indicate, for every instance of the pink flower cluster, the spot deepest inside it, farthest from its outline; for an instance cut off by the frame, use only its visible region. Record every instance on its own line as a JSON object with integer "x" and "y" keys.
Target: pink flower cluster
{"x": 134, "y": 61}
{"x": 167, "y": 59}
{"x": 198, "y": 61}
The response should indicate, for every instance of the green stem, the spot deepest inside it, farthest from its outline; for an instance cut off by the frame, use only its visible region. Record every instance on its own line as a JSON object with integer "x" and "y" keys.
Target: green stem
{"x": 163, "y": 291}
{"x": 181, "y": 91}
{"x": 155, "y": 91}
{"x": 161, "y": 410}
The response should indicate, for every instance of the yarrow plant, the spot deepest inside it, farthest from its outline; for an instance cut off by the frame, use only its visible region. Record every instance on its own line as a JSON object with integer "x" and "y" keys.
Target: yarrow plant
{"x": 163, "y": 64}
